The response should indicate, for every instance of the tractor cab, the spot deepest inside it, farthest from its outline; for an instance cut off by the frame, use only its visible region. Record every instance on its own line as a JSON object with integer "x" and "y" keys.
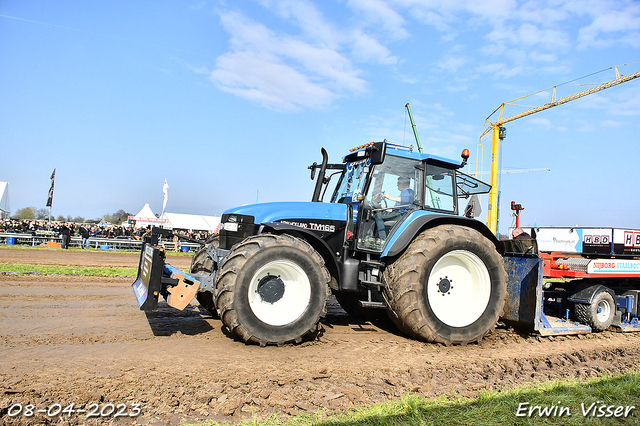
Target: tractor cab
{"x": 384, "y": 183}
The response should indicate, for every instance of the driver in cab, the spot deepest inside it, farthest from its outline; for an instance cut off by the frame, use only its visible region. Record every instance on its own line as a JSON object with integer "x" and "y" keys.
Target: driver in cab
{"x": 406, "y": 194}
{"x": 404, "y": 199}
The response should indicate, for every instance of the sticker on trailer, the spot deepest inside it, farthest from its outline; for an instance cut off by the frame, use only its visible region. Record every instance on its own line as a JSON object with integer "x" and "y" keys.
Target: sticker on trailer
{"x": 614, "y": 266}
{"x": 626, "y": 241}
{"x": 597, "y": 241}
{"x": 565, "y": 240}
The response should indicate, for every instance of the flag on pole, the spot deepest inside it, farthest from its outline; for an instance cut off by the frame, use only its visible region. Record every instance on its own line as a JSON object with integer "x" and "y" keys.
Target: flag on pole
{"x": 50, "y": 198}
{"x": 165, "y": 191}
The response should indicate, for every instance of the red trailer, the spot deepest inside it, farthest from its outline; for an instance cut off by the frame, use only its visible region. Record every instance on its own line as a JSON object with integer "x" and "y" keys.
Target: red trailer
{"x": 591, "y": 275}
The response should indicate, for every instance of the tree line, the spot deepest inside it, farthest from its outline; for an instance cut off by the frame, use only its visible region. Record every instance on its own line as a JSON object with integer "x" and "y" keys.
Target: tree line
{"x": 33, "y": 213}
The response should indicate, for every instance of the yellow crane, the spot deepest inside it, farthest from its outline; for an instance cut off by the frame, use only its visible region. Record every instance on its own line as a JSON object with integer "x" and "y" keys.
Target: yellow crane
{"x": 498, "y": 131}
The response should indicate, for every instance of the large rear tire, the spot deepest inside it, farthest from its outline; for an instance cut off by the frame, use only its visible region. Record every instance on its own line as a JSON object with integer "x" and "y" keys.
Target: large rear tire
{"x": 203, "y": 263}
{"x": 449, "y": 286}
{"x": 599, "y": 314}
{"x": 272, "y": 289}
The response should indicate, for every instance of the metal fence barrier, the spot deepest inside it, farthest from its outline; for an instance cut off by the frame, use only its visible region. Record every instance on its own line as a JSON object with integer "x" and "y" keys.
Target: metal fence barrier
{"x": 11, "y": 238}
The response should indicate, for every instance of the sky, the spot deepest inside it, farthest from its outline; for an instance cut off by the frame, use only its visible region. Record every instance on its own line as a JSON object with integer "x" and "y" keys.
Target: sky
{"x": 231, "y": 101}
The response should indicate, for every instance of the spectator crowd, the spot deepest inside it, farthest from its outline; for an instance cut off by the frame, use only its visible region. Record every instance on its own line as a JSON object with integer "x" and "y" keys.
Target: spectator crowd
{"x": 64, "y": 229}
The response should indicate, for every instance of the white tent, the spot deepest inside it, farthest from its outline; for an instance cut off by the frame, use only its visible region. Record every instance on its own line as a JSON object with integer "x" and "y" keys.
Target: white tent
{"x": 145, "y": 217}
{"x": 192, "y": 222}
{"x": 5, "y": 210}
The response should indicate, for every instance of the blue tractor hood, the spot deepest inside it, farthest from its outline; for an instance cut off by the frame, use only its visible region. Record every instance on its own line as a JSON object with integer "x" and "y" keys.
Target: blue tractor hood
{"x": 274, "y": 212}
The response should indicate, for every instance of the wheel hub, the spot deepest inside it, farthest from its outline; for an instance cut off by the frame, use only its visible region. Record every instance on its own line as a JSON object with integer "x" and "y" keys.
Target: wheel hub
{"x": 279, "y": 292}
{"x": 444, "y": 285}
{"x": 270, "y": 288}
{"x": 603, "y": 311}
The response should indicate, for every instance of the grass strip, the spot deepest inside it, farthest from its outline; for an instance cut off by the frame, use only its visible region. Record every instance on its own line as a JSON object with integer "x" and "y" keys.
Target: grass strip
{"x": 107, "y": 271}
{"x": 564, "y": 402}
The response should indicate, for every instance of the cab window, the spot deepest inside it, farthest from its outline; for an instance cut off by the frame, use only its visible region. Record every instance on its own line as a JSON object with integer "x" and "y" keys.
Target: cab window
{"x": 439, "y": 191}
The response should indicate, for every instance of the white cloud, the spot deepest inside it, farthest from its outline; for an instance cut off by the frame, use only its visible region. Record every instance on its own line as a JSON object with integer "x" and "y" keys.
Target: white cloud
{"x": 440, "y": 144}
{"x": 535, "y": 31}
{"x": 528, "y": 35}
{"x": 263, "y": 79}
{"x": 610, "y": 23}
{"x": 367, "y": 49}
{"x": 540, "y": 122}
{"x": 446, "y": 14}
{"x": 467, "y": 128}
{"x": 378, "y": 14}
{"x": 583, "y": 126}
{"x": 543, "y": 57}
{"x": 457, "y": 87}
{"x": 308, "y": 18}
{"x": 501, "y": 70}
{"x": 621, "y": 101}
{"x": 452, "y": 63}
{"x": 328, "y": 57}
{"x": 281, "y": 71}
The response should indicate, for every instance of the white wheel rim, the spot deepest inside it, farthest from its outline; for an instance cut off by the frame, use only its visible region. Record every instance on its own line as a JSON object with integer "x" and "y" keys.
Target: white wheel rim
{"x": 603, "y": 311}
{"x": 469, "y": 292}
{"x": 294, "y": 300}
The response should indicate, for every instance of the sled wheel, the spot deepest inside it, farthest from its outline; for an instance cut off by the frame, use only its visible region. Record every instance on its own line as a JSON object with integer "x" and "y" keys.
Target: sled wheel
{"x": 203, "y": 263}
{"x": 599, "y": 313}
{"x": 449, "y": 286}
{"x": 272, "y": 289}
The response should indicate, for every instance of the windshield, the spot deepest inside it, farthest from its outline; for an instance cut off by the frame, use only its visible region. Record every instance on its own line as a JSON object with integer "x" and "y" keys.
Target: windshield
{"x": 352, "y": 182}
{"x": 395, "y": 184}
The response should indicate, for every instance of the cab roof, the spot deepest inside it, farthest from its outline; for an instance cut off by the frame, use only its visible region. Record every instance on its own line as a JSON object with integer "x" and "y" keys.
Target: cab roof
{"x": 401, "y": 151}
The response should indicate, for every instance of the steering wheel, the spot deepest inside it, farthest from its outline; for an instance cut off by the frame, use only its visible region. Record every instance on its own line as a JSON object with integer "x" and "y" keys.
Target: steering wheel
{"x": 379, "y": 201}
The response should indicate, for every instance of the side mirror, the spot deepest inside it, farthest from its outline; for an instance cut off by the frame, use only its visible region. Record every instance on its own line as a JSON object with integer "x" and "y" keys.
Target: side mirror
{"x": 313, "y": 170}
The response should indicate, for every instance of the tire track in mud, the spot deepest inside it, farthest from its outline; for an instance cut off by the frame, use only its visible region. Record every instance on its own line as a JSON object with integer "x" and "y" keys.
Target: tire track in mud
{"x": 82, "y": 340}
{"x": 235, "y": 390}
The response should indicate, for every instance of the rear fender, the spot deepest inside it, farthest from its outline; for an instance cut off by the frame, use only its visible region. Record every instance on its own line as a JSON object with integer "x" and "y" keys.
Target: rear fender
{"x": 586, "y": 295}
{"x": 417, "y": 221}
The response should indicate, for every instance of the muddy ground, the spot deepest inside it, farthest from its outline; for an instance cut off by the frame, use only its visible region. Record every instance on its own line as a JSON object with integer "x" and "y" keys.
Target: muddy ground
{"x": 82, "y": 340}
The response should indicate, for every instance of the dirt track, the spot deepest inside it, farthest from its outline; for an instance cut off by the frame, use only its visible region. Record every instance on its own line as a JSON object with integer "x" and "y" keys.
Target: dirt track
{"x": 82, "y": 340}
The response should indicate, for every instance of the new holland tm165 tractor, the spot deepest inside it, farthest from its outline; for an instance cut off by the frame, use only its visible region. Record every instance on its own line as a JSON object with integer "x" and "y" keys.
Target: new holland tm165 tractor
{"x": 390, "y": 237}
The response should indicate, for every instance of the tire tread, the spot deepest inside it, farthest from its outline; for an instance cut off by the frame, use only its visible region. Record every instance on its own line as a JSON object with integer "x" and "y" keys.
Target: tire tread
{"x": 228, "y": 274}
{"x": 402, "y": 280}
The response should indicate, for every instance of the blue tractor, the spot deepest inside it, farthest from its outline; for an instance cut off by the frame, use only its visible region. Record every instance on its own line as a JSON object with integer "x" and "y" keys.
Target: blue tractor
{"x": 390, "y": 236}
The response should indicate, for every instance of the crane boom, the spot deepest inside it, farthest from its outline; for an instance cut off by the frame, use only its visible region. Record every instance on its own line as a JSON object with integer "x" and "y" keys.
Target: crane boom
{"x": 413, "y": 126}
{"x": 501, "y": 121}
{"x": 497, "y": 130}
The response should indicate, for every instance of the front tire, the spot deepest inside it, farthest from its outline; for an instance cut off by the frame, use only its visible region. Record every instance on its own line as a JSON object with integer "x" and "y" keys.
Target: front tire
{"x": 272, "y": 289}
{"x": 201, "y": 262}
{"x": 449, "y": 286}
